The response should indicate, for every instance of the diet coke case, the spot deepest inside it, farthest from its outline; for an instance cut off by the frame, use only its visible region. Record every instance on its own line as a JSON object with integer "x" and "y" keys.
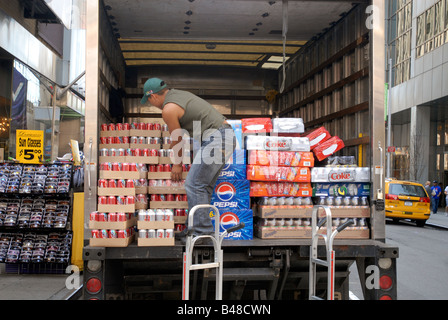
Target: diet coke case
{"x": 328, "y": 148}
{"x": 232, "y": 217}
{"x": 235, "y": 168}
{"x": 233, "y": 194}
{"x": 275, "y": 143}
{"x": 287, "y": 125}
{"x": 336, "y": 174}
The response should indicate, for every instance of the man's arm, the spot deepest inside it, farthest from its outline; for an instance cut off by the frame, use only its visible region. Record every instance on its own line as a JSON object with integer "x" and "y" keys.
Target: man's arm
{"x": 171, "y": 114}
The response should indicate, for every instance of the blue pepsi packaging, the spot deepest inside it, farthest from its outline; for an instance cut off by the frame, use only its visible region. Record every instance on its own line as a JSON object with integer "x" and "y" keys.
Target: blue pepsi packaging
{"x": 238, "y": 130}
{"x": 234, "y": 194}
{"x": 235, "y": 168}
{"x": 233, "y": 217}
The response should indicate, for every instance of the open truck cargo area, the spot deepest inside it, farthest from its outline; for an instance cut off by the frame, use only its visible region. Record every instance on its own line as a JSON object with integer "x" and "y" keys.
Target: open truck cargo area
{"x": 322, "y": 62}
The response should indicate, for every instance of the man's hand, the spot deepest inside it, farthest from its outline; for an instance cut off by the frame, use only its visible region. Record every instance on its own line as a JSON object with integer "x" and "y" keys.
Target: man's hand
{"x": 176, "y": 172}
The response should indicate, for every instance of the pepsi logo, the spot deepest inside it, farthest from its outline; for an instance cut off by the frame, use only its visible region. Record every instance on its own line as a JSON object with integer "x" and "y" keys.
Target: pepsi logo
{"x": 228, "y": 220}
{"x": 225, "y": 191}
{"x": 226, "y": 167}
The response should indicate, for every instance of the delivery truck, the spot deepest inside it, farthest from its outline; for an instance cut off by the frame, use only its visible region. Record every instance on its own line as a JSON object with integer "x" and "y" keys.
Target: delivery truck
{"x": 301, "y": 82}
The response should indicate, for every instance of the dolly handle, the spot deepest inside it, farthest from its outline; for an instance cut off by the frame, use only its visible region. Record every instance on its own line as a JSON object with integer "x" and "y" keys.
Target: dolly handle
{"x": 237, "y": 227}
{"x": 344, "y": 225}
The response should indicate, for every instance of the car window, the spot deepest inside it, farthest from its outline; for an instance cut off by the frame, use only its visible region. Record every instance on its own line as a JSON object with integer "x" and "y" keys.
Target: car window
{"x": 407, "y": 190}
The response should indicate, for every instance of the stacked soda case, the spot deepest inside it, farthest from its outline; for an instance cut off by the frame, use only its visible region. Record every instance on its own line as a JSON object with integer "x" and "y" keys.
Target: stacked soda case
{"x": 231, "y": 196}
{"x": 345, "y": 188}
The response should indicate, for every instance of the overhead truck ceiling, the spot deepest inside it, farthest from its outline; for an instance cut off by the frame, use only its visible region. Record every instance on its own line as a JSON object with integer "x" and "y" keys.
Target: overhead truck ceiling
{"x": 246, "y": 33}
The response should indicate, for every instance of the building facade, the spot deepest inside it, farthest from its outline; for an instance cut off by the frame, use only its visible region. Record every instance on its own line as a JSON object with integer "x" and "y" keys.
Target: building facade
{"x": 417, "y": 51}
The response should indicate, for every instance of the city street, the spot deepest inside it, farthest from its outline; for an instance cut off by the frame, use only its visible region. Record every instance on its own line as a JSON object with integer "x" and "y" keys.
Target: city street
{"x": 422, "y": 263}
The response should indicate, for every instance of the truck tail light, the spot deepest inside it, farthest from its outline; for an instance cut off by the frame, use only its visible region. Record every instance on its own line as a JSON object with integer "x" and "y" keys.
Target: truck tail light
{"x": 386, "y": 282}
{"x": 93, "y": 285}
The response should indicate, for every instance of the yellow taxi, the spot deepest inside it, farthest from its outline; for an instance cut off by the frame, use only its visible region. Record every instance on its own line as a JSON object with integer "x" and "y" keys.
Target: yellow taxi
{"x": 407, "y": 200}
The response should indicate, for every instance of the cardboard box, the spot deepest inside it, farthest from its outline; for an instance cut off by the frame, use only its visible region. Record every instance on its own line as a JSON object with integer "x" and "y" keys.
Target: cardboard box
{"x": 180, "y": 219}
{"x": 116, "y": 191}
{"x": 168, "y": 204}
{"x": 111, "y": 242}
{"x": 145, "y": 133}
{"x": 113, "y": 146}
{"x": 307, "y": 211}
{"x": 118, "y": 225}
{"x": 155, "y": 242}
{"x": 305, "y": 233}
{"x": 122, "y": 174}
{"x": 144, "y": 146}
{"x": 104, "y": 159}
{"x": 155, "y": 224}
{"x": 163, "y": 175}
{"x": 284, "y": 212}
{"x": 166, "y": 190}
{"x": 115, "y": 133}
{"x": 167, "y": 160}
{"x": 142, "y": 159}
{"x": 116, "y": 208}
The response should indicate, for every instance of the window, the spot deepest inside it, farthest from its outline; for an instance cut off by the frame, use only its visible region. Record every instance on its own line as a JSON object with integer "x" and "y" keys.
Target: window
{"x": 400, "y": 28}
{"x": 432, "y": 28}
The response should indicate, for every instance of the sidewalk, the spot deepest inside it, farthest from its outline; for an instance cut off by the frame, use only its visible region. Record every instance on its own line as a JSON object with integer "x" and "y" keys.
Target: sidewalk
{"x": 438, "y": 219}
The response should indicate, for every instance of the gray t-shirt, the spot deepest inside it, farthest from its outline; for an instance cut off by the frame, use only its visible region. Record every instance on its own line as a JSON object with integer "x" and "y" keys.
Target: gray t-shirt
{"x": 196, "y": 110}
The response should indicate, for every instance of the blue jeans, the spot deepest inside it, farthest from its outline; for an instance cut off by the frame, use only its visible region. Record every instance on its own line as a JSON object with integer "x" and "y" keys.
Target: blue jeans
{"x": 204, "y": 172}
{"x": 435, "y": 204}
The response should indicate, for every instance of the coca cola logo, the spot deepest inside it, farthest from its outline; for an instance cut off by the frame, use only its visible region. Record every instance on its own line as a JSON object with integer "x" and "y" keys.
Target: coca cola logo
{"x": 342, "y": 176}
{"x": 277, "y": 144}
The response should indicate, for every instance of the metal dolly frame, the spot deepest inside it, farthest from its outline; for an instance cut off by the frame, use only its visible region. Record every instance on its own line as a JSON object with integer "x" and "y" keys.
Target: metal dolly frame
{"x": 218, "y": 256}
{"x": 329, "y": 262}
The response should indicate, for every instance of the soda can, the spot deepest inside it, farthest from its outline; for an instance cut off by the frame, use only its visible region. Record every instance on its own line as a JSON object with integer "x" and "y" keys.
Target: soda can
{"x": 159, "y": 215}
{"x": 143, "y": 182}
{"x": 184, "y": 197}
{"x": 156, "y": 140}
{"x": 143, "y": 126}
{"x": 104, "y": 234}
{"x": 162, "y": 153}
{"x": 169, "y": 233}
{"x": 130, "y": 200}
{"x": 178, "y": 213}
{"x": 111, "y": 127}
{"x": 169, "y": 215}
{"x": 155, "y": 197}
{"x": 347, "y": 201}
{"x": 121, "y": 217}
{"x": 121, "y": 183}
{"x": 102, "y": 200}
{"x": 104, "y": 152}
{"x": 116, "y": 166}
{"x": 152, "y": 183}
{"x": 160, "y": 233}
{"x": 158, "y": 126}
{"x": 150, "y": 215}
{"x": 158, "y": 167}
{"x": 162, "y": 197}
{"x": 94, "y": 216}
{"x": 145, "y": 152}
{"x": 121, "y": 234}
{"x": 112, "y": 217}
{"x": 120, "y": 152}
{"x": 102, "y": 183}
{"x": 125, "y": 167}
{"x": 126, "y": 126}
{"x": 103, "y": 140}
{"x": 142, "y": 215}
{"x": 95, "y": 233}
{"x": 150, "y": 126}
{"x": 112, "y": 234}
{"x": 113, "y": 152}
{"x": 133, "y": 167}
{"x": 364, "y": 201}
{"x": 355, "y": 201}
{"x": 120, "y": 200}
{"x": 166, "y": 140}
{"x": 142, "y": 233}
{"x": 130, "y": 183}
{"x": 166, "y": 168}
{"x": 104, "y": 127}
{"x": 133, "y": 140}
{"x": 111, "y": 183}
{"x": 152, "y": 168}
{"x": 141, "y": 140}
{"x": 170, "y": 197}
{"x": 119, "y": 126}
{"x": 338, "y": 201}
{"x": 134, "y": 125}
{"x": 153, "y": 152}
{"x": 151, "y": 233}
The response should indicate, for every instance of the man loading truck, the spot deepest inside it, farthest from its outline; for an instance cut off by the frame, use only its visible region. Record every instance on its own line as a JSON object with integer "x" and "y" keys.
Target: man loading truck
{"x": 185, "y": 112}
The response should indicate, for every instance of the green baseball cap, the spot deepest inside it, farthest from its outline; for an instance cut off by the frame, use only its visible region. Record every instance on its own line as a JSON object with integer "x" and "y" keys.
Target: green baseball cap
{"x": 152, "y": 85}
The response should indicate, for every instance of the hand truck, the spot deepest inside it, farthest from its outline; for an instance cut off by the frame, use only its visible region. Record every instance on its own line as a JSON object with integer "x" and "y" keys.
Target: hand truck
{"x": 328, "y": 236}
{"x": 218, "y": 256}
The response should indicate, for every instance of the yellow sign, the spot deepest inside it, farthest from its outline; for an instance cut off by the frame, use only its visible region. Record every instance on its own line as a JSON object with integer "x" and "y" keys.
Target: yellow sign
{"x": 29, "y": 146}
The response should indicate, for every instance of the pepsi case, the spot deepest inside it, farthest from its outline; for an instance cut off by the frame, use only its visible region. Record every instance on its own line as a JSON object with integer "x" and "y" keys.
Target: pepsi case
{"x": 234, "y": 194}
{"x": 235, "y": 168}
{"x": 232, "y": 217}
